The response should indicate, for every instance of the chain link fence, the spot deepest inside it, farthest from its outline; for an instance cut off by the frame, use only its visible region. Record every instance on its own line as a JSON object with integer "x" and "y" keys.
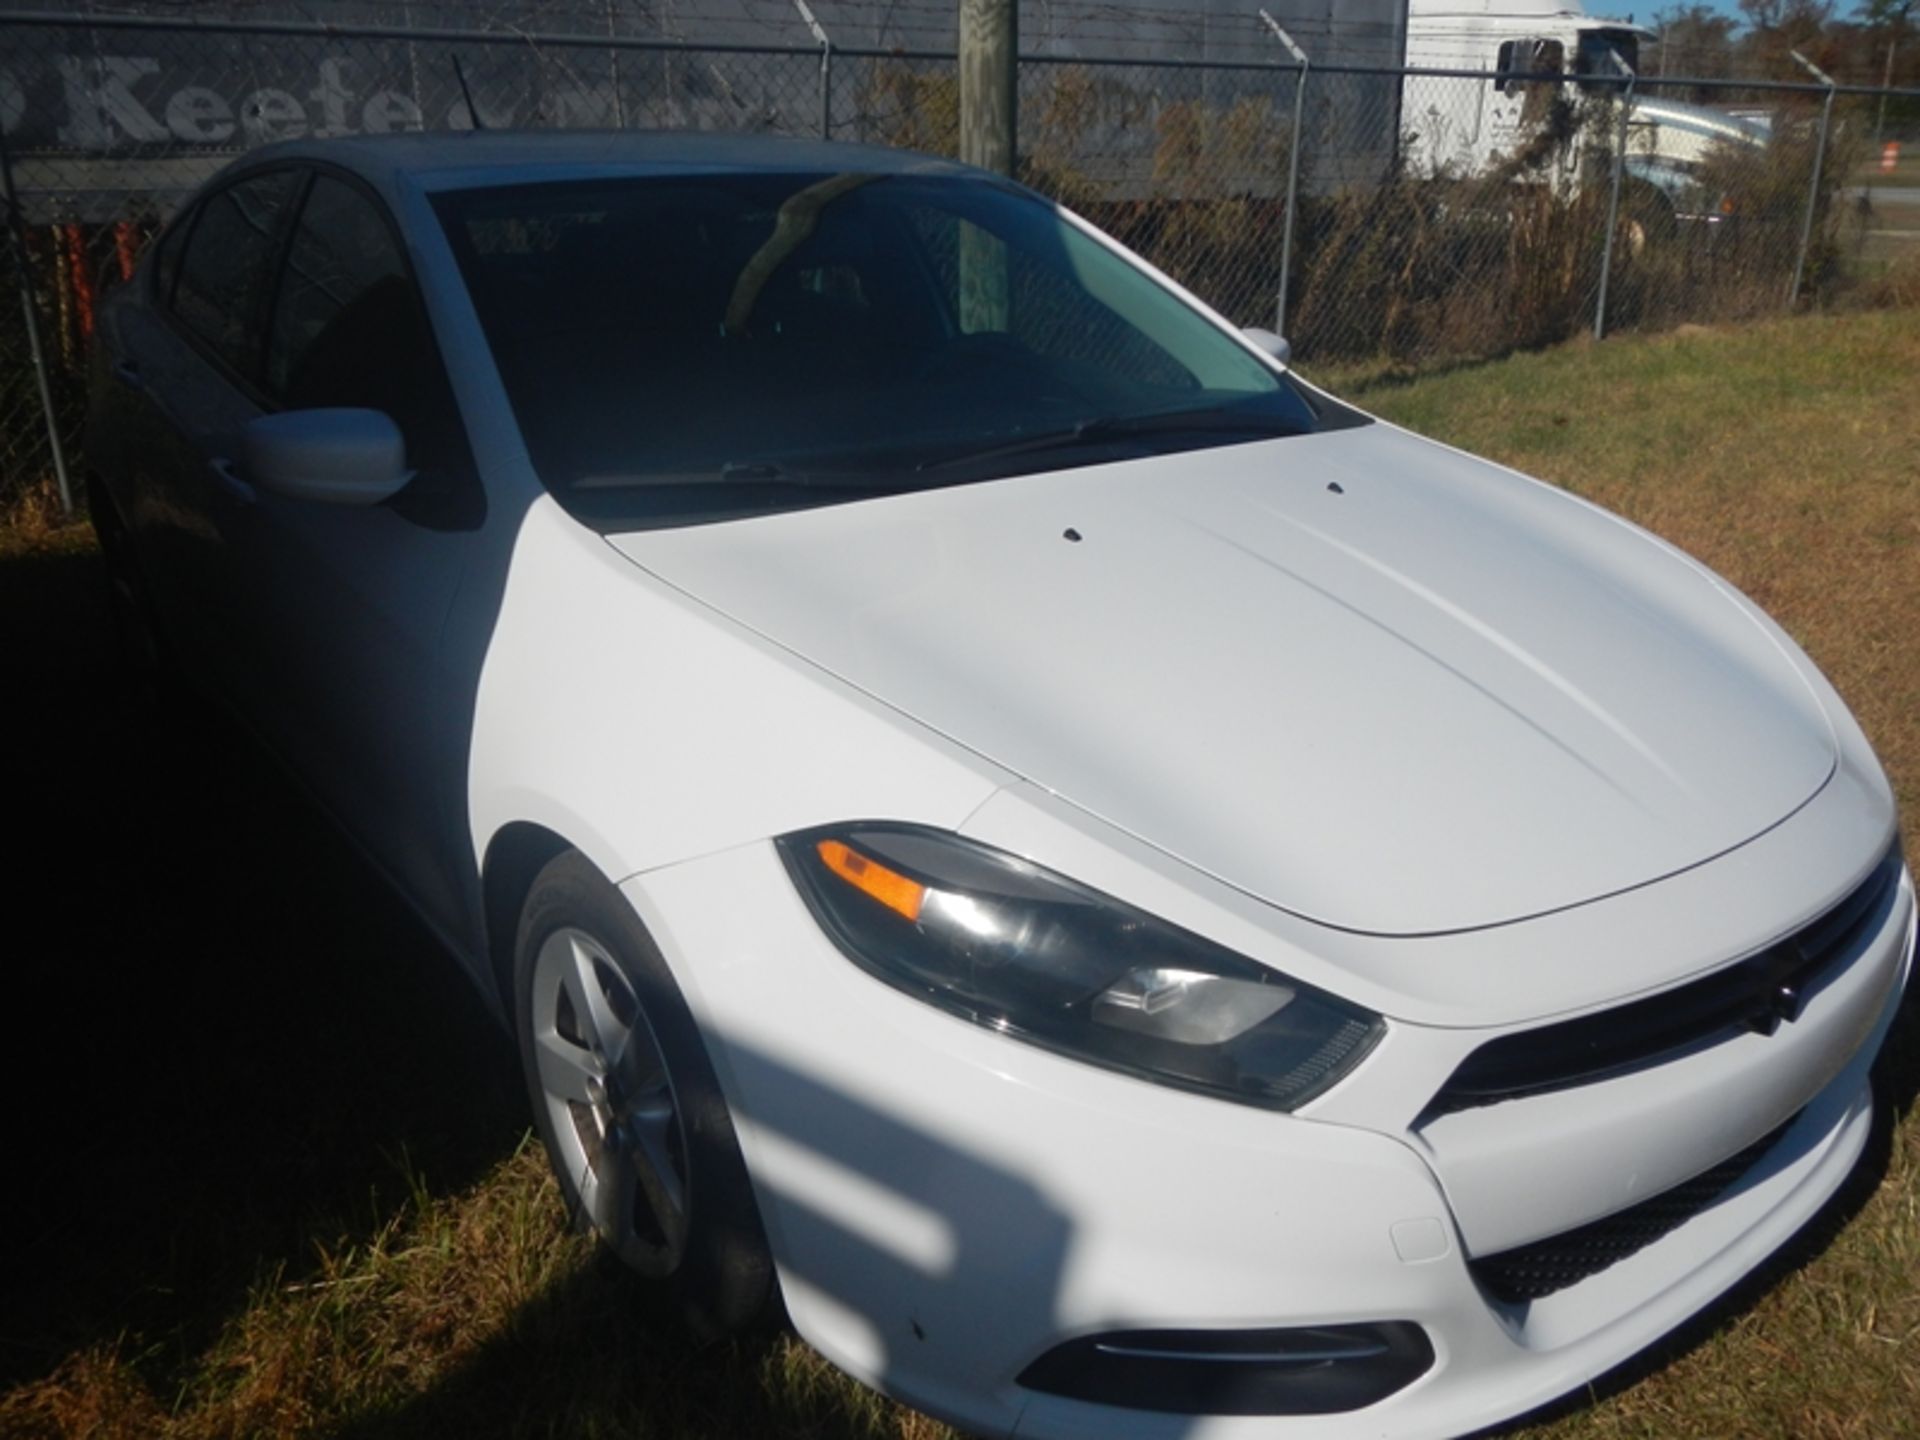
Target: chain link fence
{"x": 1385, "y": 219}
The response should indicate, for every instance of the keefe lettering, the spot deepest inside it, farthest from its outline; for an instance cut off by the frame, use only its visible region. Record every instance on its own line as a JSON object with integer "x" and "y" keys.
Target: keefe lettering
{"x": 99, "y": 93}
{"x": 199, "y": 116}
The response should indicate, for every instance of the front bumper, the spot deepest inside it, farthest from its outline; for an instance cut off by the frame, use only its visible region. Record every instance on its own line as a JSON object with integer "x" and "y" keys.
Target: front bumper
{"x": 946, "y": 1205}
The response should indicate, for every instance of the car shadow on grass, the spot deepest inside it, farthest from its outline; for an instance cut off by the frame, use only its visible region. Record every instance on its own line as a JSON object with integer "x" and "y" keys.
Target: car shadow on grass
{"x": 232, "y": 1044}
{"x": 248, "y": 1053}
{"x": 599, "y": 1354}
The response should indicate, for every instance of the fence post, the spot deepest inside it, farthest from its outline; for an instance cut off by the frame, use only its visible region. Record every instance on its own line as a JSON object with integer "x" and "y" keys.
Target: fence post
{"x": 613, "y": 72}
{"x": 1813, "y": 184}
{"x": 826, "y": 67}
{"x": 826, "y": 92}
{"x": 1613, "y": 195}
{"x": 1293, "y": 169}
{"x": 29, "y": 305}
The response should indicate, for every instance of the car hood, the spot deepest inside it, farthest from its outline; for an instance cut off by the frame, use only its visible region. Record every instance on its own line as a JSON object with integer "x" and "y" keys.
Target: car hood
{"x": 1370, "y": 680}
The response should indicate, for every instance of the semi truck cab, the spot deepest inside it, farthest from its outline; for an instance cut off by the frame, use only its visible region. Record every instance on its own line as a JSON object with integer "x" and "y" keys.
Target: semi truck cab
{"x": 1468, "y": 127}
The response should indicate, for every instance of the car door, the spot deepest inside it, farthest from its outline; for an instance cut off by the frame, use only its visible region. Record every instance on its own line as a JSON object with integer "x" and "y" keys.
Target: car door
{"x": 182, "y": 380}
{"x": 347, "y": 602}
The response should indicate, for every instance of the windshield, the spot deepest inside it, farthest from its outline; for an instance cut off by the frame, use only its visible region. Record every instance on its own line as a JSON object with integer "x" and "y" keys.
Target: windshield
{"x": 1595, "y": 56}
{"x": 687, "y": 348}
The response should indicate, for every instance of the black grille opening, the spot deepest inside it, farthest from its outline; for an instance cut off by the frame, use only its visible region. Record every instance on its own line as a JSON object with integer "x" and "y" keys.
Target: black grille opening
{"x": 1532, "y": 1272}
{"x": 1314, "y": 1370}
{"x": 1758, "y": 994}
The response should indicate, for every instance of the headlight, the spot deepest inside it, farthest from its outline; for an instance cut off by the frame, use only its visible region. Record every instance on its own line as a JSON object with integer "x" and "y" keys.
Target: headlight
{"x": 1019, "y": 949}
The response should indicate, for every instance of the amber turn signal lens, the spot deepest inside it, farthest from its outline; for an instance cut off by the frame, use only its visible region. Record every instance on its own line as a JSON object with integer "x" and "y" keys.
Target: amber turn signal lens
{"x": 889, "y": 887}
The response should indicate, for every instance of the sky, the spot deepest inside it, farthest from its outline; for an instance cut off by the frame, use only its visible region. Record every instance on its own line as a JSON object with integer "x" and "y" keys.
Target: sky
{"x": 1645, "y": 10}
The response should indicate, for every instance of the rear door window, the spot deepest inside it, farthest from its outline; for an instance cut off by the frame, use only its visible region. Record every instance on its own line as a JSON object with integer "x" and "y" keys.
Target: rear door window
{"x": 342, "y": 264}
{"x": 217, "y": 295}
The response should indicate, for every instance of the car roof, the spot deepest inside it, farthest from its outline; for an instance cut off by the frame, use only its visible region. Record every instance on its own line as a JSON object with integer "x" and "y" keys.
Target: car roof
{"x": 461, "y": 159}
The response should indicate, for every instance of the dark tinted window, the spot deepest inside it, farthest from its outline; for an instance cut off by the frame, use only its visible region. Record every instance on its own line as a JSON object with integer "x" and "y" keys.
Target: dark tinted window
{"x": 1520, "y": 61}
{"x": 349, "y": 328}
{"x": 1062, "y": 323}
{"x": 1596, "y": 52}
{"x": 341, "y": 252}
{"x": 225, "y": 261}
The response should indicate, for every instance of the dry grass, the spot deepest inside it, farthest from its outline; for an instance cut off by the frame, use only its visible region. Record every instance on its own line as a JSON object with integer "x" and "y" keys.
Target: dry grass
{"x": 282, "y": 1266}
{"x": 33, "y": 522}
{"x": 470, "y": 1313}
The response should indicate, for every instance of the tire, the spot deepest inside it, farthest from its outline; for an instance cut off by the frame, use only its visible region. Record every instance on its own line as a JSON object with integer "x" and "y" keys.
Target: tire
{"x": 1647, "y": 223}
{"x": 627, "y": 1103}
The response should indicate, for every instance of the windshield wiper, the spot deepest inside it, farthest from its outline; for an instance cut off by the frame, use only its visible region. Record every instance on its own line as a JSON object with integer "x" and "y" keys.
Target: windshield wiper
{"x": 1102, "y": 428}
{"x": 743, "y": 472}
{"x": 875, "y": 478}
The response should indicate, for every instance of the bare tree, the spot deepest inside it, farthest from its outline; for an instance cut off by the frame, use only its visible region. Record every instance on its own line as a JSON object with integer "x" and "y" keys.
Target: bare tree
{"x": 1781, "y": 26}
{"x": 1695, "y": 40}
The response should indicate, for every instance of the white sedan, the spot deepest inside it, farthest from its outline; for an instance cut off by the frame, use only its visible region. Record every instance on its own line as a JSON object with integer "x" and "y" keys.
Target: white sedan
{"x": 1134, "y": 898}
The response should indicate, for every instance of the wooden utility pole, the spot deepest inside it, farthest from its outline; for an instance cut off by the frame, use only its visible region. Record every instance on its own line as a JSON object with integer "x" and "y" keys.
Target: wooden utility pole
{"x": 989, "y": 83}
{"x": 1895, "y": 21}
{"x": 989, "y": 112}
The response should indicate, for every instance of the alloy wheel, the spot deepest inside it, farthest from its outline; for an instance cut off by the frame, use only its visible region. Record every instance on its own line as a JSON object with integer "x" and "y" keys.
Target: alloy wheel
{"x": 610, "y": 1100}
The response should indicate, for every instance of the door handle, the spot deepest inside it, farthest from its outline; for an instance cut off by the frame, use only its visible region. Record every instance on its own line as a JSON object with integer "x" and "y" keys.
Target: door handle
{"x": 230, "y": 479}
{"x": 128, "y": 374}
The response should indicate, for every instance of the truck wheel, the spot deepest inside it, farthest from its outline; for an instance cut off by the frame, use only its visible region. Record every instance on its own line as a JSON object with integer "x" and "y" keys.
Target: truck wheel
{"x": 1646, "y": 221}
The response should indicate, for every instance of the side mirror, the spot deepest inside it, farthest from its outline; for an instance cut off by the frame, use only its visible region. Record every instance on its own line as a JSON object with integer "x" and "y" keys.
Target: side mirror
{"x": 1276, "y": 346}
{"x": 341, "y": 457}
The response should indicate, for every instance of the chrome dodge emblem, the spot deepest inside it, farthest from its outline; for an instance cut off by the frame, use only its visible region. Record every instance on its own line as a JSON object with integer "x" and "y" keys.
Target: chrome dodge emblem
{"x": 1781, "y": 1002}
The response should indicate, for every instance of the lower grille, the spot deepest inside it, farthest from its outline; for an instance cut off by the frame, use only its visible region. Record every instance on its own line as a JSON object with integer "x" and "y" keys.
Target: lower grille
{"x": 1532, "y": 1272}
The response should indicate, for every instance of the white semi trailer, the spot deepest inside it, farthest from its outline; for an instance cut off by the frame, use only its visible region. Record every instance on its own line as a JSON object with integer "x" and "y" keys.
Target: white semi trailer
{"x": 1468, "y": 127}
